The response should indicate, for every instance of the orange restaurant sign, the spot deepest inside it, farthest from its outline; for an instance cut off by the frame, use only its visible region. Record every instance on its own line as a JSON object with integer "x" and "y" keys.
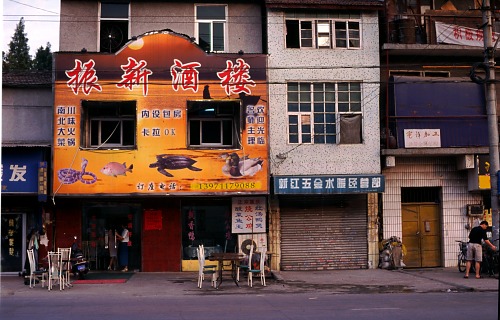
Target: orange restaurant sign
{"x": 161, "y": 74}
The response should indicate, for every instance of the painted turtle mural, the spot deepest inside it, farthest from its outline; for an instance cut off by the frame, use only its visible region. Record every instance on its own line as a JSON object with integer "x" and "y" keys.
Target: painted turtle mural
{"x": 166, "y": 162}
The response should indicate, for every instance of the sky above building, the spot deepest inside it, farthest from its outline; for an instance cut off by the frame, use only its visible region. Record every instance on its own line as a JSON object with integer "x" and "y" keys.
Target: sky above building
{"x": 41, "y": 20}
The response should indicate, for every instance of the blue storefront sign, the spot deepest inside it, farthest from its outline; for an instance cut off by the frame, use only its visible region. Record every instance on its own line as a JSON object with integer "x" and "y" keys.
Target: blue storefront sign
{"x": 328, "y": 184}
{"x": 20, "y": 170}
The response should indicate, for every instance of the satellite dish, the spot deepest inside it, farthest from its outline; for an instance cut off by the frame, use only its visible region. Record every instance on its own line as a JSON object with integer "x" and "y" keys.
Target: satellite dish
{"x": 245, "y": 246}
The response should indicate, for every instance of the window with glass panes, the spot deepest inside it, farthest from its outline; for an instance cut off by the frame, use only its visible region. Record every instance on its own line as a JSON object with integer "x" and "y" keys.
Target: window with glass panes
{"x": 316, "y": 108}
{"x": 109, "y": 124}
{"x": 211, "y": 27}
{"x": 323, "y": 30}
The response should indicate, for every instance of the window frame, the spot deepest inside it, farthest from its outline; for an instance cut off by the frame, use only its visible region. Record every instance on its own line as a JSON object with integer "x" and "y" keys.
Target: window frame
{"x": 122, "y": 23}
{"x": 316, "y": 34}
{"x": 313, "y": 116}
{"x": 121, "y": 116}
{"x": 196, "y": 118}
{"x": 211, "y": 23}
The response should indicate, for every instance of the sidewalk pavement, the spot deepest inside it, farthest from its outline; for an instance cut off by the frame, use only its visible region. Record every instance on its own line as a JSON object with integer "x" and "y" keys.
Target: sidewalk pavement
{"x": 369, "y": 281}
{"x": 389, "y": 281}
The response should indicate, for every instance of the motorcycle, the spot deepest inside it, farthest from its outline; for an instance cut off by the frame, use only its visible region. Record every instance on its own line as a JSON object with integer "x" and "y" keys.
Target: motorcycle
{"x": 79, "y": 265}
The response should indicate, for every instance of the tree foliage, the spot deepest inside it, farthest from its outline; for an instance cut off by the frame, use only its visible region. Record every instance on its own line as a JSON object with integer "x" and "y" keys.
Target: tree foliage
{"x": 43, "y": 59}
{"x": 18, "y": 58}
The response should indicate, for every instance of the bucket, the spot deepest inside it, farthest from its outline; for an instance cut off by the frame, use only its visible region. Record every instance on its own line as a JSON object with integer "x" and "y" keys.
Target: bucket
{"x": 406, "y": 29}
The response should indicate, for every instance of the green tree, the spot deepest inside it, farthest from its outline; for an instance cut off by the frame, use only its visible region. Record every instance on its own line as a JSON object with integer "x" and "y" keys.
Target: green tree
{"x": 43, "y": 59}
{"x": 18, "y": 57}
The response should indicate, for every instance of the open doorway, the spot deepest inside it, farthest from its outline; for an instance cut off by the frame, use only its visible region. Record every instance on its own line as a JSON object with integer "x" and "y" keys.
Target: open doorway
{"x": 97, "y": 220}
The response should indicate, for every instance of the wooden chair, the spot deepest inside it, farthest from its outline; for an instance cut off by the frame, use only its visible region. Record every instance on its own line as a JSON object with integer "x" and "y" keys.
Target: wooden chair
{"x": 259, "y": 272}
{"x": 204, "y": 269}
{"x": 35, "y": 274}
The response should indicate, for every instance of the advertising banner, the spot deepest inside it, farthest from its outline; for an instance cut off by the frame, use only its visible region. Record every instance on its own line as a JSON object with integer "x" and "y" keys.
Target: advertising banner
{"x": 161, "y": 116}
{"x": 20, "y": 170}
{"x": 460, "y": 35}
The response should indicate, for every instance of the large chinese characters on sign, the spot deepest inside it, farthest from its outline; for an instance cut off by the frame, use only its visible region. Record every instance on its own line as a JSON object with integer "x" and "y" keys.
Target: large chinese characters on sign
{"x": 160, "y": 116}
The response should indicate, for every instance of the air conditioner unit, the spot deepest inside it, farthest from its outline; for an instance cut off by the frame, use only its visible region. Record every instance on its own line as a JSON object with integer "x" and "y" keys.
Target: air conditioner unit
{"x": 475, "y": 210}
{"x": 259, "y": 241}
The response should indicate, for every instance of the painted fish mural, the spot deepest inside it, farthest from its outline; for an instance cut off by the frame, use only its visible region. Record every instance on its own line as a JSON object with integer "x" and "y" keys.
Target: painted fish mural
{"x": 115, "y": 169}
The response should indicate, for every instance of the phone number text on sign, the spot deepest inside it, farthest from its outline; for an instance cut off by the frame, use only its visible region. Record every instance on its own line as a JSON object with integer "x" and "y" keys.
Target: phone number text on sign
{"x": 226, "y": 185}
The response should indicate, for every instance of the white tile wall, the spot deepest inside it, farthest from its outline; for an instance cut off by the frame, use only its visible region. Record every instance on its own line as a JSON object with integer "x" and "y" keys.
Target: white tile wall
{"x": 430, "y": 172}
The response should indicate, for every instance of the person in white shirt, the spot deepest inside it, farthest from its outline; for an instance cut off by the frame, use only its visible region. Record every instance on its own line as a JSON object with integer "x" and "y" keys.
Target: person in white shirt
{"x": 123, "y": 248}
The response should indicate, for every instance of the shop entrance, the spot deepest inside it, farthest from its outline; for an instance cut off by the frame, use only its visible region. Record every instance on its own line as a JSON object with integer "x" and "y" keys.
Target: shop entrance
{"x": 13, "y": 228}
{"x": 97, "y": 220}
{"x": 207, "y": 223}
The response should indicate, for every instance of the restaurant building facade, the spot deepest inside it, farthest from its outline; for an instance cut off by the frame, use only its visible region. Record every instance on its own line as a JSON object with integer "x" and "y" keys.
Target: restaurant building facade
{"x": 165, "y": 132}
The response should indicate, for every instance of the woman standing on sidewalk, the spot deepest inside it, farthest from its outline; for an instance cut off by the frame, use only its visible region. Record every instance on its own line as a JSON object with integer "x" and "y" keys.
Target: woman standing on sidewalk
{"x": 123, "y": 248}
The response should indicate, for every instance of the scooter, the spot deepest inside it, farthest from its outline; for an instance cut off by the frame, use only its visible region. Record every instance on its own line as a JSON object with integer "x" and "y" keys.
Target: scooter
{"x": 79, "y": 266}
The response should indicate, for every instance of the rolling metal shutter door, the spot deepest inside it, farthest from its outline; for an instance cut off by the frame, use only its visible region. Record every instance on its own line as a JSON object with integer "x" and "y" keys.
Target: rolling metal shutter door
{"x": 324, "y": 233}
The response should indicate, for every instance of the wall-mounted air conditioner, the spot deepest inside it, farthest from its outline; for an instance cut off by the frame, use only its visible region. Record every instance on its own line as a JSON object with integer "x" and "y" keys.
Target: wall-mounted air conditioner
{"x": 475, "y": 210}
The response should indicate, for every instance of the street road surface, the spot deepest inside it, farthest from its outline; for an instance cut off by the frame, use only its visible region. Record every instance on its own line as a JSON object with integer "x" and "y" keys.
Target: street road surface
{"x": 40, "y": 304}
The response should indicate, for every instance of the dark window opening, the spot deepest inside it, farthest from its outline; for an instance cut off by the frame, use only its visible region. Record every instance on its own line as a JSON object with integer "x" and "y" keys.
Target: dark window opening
{"x": 113, "y": 26}
{"x": 214, "y": 124}
{"x": 414, "y": 194}
{"x": 292, "y": 34}
{"x": 110, "y": 124}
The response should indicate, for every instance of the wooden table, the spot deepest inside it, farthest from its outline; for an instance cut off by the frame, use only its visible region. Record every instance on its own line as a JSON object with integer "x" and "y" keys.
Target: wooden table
{"x": 220, "y": 258}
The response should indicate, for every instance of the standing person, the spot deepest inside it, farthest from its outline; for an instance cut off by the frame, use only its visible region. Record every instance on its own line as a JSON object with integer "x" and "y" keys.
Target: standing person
{"x": 112, "y": 249}
{"x": 475, "y": 249}
{"x": 123, "y": 248}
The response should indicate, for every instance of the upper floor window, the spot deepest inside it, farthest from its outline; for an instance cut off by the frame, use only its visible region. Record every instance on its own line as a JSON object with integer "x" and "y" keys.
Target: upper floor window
{"x": 214, "y": 124}
{"x": 324, "y": 112}
{"x": 323, "y": 31}
{"x": 109, "y": 124}
{"x": 211, "y": 27}
{"x": 113, "y": 25}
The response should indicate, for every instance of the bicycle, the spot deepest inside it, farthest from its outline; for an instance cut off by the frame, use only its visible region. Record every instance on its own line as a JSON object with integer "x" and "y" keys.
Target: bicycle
{"x": 462, "y": 254}
{"x": 490, "y": 264}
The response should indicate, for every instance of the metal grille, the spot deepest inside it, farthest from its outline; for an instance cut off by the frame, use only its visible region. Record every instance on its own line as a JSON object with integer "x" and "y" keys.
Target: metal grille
{"x": 324, "y": 233}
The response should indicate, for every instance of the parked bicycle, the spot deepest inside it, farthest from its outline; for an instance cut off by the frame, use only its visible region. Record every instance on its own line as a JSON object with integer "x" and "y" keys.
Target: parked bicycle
{"x": 490, "y": 264}
{"x": 462, "y": 254}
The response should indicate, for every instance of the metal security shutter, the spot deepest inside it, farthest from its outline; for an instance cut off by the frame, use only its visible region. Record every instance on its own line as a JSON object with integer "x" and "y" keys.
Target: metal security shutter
{"x": 324, "y": 233}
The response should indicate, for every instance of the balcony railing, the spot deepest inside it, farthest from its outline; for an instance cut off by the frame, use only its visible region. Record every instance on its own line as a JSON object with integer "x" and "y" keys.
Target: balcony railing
{"x": 421, "y": 28}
